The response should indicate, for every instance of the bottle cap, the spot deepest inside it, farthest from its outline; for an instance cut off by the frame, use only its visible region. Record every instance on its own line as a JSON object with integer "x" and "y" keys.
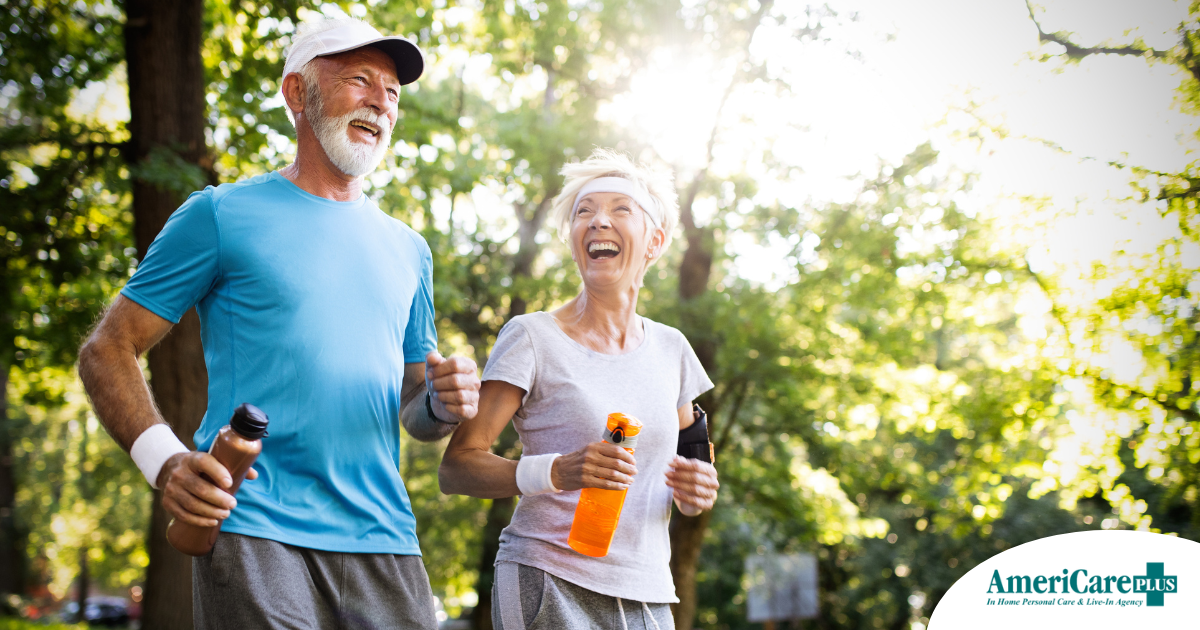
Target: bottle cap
{"x": 627, "y": 423}
{"x": 622, "y": 430}
{"x": 249, "y": 421}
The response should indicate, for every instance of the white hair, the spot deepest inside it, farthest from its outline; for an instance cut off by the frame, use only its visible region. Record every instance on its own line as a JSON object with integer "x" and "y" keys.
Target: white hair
{"x": 303, "y": 41}
{"x": 609, "y": 163}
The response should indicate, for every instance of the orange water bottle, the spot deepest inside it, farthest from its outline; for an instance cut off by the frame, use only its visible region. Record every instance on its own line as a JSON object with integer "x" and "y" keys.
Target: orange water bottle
{"x": 599, "y": 509}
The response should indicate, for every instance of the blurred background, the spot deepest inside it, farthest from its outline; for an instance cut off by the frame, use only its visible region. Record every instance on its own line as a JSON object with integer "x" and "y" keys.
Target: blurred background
{"x": 940, "y": 259}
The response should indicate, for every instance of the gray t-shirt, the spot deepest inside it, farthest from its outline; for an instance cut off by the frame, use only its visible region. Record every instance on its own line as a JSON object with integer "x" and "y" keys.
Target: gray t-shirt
{"x": 569, "y": 392}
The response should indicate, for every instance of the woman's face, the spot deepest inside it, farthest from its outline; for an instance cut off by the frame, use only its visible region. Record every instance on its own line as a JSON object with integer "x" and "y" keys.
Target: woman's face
{"x": 610, "y": 240}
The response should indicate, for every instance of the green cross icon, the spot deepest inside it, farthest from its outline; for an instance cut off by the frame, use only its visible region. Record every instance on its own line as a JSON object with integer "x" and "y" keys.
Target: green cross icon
{"x": 1154, "y": 570}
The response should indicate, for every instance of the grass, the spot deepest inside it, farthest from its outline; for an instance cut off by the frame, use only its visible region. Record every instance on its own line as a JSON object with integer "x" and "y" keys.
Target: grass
{"x": 12, "y": 623}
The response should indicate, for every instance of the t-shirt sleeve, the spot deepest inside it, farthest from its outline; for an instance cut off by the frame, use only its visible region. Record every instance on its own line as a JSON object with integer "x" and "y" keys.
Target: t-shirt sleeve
{"x": 183, "y": 263}
{"x": 513, "y": 359}
{"x": 420, "y": 337}
{"x": 693, "y": 380}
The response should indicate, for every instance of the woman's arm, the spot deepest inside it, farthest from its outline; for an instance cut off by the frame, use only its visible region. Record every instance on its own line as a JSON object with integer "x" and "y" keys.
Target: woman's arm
{"x": 694, "y": 482}
{"x": 469, "y": 467}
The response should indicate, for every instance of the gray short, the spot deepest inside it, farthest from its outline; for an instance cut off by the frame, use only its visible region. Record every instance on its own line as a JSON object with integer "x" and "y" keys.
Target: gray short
{"x": 257, "y": 583}
{"x": 531, "y": 599}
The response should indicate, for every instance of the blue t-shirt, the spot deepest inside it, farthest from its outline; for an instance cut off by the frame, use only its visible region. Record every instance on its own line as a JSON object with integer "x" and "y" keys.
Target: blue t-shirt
{"x": 309, "y": 309}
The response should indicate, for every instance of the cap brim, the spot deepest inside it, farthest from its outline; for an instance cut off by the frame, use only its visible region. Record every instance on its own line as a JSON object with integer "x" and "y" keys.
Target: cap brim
{"x": 410, "y": 62}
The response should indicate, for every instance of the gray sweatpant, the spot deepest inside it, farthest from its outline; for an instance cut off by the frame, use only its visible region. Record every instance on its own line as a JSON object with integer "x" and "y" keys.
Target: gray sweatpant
{"x": 251, "y": 582}
{"x": 526, "y": 598}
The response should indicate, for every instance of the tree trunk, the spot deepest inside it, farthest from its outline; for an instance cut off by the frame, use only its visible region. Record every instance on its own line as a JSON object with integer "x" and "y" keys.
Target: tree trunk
{"x": 12, "y": 556}
{"x": 687, "y": 535}
{"x": 695, "y": 271}
{"x": 501, "y": 510}
{"x": 687, "y": 532}
{"x": 499, "y": 514}
{"x": 83, "y": 582}
{"x": 85, "y": 493}
{"x": 167, "y": 110}
{"x": 181, "y": 391}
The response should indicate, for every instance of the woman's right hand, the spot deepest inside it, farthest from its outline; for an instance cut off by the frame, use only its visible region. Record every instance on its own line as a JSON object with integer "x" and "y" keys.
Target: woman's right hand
{"x": 597, "y": 465}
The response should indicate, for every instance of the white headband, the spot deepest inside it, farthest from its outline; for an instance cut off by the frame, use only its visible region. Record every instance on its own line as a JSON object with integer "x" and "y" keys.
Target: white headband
{"x": 620, "y": 185}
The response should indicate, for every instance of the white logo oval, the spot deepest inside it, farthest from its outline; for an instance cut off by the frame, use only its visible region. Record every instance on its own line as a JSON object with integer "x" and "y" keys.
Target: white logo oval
{"x": 1093, "y": 579}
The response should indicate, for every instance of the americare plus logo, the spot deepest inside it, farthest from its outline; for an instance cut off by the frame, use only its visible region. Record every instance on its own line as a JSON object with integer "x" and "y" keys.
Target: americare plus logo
{"x": 1095, "y": 579}
{"x": 1155, "y": 584}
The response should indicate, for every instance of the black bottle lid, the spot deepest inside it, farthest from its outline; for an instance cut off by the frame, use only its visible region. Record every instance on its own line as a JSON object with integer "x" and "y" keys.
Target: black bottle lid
{"x": 249, "y": 421}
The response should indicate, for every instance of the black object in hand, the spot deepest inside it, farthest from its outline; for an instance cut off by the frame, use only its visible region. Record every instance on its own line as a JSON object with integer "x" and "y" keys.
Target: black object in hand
{"x": 693, "y": 441}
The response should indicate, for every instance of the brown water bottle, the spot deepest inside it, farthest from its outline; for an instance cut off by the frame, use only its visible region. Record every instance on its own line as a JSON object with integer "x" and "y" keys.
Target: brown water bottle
{"x": 236, "y": 447}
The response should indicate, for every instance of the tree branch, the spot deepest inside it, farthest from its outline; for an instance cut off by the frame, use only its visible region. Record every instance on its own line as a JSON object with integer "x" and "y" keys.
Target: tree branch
{"x": 1170, "y": 404}
{"x": 1075, "y": 51}
{"x": 686, "y": 217}
{"x": 719, "y": 443}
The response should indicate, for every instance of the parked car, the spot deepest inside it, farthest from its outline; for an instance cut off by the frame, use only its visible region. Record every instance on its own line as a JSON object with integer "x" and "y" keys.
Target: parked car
{"x": 98, "y": 610}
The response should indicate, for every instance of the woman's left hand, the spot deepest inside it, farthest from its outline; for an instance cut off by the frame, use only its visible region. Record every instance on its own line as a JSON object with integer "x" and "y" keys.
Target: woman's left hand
{"x": 695, "y": 484}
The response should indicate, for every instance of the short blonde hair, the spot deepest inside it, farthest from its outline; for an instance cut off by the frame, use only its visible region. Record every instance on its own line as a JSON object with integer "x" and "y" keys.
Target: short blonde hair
{"x": 609, "y": 163}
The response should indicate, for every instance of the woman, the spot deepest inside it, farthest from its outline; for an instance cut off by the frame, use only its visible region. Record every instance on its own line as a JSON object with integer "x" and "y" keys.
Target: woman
{"x": 557, "y": 376}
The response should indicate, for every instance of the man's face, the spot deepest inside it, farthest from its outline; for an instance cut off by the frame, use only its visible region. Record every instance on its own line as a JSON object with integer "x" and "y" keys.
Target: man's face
{"x": 352, "y": 107}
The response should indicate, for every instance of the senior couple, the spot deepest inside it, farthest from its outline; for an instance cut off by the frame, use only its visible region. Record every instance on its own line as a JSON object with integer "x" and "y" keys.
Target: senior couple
{"x": 310, "y": 301}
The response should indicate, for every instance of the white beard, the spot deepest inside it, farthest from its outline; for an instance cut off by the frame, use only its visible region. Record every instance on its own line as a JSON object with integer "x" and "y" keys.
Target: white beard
{"x": 352, "y": 158}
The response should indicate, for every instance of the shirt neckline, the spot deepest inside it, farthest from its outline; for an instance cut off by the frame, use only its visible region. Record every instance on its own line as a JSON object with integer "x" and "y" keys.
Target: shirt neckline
{"x": 290, "y": 185}
{"x": 549, "y": 321}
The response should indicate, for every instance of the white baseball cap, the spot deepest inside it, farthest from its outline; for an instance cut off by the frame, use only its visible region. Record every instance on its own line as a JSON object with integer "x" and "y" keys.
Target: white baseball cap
{"x": 332, "y": 36}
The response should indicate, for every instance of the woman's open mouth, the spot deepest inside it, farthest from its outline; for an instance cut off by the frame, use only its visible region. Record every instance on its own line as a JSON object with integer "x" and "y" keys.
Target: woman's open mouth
{"x": 602, "y": 249}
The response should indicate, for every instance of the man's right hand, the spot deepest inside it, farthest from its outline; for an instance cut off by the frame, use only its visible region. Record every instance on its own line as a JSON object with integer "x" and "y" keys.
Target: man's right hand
{"x": 192, "y": 498}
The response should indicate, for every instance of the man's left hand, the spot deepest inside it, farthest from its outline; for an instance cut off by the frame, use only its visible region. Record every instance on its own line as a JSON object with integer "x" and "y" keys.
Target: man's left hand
{"x": 453, "y": 385}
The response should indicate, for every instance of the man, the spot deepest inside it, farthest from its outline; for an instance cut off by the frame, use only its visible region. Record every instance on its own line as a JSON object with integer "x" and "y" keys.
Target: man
{"x": 316, "y": 307}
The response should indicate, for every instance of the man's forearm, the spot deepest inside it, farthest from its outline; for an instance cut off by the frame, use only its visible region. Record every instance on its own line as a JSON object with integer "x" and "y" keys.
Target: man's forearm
{"x": 109, "y": 369}
{"x": 120, "y": 396}
{"x": 417, "y": 421}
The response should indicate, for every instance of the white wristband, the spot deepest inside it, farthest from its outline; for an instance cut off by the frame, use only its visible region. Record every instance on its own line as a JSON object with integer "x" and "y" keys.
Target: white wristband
{"x": 533, "y": 474}
{"x": 153, "y": 448}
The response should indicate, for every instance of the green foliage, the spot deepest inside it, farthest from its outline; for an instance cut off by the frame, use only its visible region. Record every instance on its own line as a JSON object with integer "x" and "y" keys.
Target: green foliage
{"x": 1131, "y": 347}
{"x": 883, "y": 408}
{"x": 51, "y": 49}
{"x": 449, "y": 527}
{"x": 167, "y": 170}
{"x": 65, "y": 230}
{"x": 893, "y": 402}
{"x": 78, "y": 491}
{"x": 64, "y": 247}
{"x": 243, "y": 61}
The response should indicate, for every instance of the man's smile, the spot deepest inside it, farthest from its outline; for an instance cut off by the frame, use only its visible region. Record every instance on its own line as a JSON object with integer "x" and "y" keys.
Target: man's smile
{"x": 369, "y": 128}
